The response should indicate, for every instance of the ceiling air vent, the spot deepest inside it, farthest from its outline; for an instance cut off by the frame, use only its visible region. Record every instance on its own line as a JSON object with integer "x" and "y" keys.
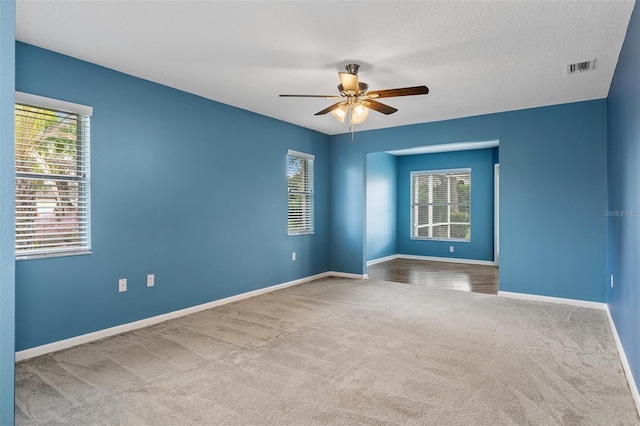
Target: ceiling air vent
{"x": 581, "y": 66}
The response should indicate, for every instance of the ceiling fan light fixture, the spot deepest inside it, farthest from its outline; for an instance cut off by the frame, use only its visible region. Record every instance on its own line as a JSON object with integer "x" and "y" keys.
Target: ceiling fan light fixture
{"x": 340, "y": 113}
{"x": 359, "y": 114}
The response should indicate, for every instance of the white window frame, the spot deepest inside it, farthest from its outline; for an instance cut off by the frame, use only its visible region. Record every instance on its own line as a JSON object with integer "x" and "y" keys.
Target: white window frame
{"x": 306, "y": 214}
{"x": 83, "y": 223}
{"x": 430, "y": 204}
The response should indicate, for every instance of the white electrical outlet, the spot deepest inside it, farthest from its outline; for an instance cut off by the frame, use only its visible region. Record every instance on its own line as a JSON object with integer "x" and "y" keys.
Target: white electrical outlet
{"x": 151, "y": 280}
{"x": 611, "y": 280}
{"x": 122, "y": 285}
{"x": 293, "y": 255}
{"x": 450, "y": 249}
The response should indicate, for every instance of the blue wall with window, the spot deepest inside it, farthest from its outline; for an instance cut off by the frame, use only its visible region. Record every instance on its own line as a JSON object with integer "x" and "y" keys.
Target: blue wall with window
{"x": 480, "y": 161}
{"x": 185, "y": 188}
{"x": 7, "y": 190}
{"x": 623, "y": 223}
{"x": 552, "y": 193}
{"x": 382, "y": 169}
{"x": 193, "y": 191}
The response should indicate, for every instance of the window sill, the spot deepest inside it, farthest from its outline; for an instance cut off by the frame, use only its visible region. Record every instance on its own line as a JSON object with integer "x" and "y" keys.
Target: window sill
{"x": 448, "y": 240}
{"x": 293, "y": 234}
{"x": 49, "y": 255}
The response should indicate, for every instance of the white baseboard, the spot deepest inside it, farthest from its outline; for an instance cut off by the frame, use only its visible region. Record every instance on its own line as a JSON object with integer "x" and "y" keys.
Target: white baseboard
{"x": 432, "y": 259}
{"x": 549, "y": 299}
{"x": 101, "y": 334}
{"x": 447, "y": 259}
{"x": 382, "y": 259}
{"x": 625, "y": 362}
{"x": 348, "y": 275}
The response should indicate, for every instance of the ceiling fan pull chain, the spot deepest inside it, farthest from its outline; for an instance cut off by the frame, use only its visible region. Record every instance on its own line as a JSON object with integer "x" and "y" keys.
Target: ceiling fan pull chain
{"x": 351, "y": 122}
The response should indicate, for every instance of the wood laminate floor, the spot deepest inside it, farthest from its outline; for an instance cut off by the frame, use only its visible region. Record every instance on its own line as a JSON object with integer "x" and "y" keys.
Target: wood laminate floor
{"x": 453, "y": 276}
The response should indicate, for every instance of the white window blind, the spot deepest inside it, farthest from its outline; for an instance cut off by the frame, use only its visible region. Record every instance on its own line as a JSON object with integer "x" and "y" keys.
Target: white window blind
{"x": 52, "y": 177}
{"x": 300, "y": 190}
{"x": 441, "y": 205}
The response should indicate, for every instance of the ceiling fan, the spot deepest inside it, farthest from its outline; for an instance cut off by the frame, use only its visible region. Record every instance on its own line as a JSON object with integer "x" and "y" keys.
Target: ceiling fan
{"x": 357, "y": 100}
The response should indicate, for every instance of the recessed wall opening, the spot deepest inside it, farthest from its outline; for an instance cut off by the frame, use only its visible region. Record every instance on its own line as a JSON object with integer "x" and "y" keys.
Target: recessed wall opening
{"x": 395, "y": 204}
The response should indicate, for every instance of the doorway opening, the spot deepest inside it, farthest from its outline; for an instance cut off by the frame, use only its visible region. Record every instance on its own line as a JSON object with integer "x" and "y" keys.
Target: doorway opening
{"x": 388, "y": 217}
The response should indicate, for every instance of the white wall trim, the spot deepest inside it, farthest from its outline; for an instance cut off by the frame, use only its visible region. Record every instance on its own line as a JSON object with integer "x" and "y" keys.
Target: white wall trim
{"x": 382, "y": 259}
{"x": 348, "y": 275}
{"x": 625, "y": 362}
{"x": 447, "y": 259}
{"x": 112, "y": 331}
{"x": 41, "y": 101}
{"x": 432, "y": 259}
{"x": 496, "y": 214}
{"x": 549, "y": 299}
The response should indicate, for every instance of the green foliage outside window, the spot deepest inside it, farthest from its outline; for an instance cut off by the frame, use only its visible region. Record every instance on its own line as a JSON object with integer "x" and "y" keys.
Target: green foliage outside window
{"x": 441, "y": 205}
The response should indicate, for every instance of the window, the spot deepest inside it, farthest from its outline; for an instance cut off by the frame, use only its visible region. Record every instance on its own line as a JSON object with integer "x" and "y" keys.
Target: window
{"x": 441, "y": 205}
{"x": 52, "y": 177}
{"x": 300, "y": 203}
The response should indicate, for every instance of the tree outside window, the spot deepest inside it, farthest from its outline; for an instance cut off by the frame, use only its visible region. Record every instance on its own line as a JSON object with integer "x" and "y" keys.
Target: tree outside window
{"x": 441, "y": 205}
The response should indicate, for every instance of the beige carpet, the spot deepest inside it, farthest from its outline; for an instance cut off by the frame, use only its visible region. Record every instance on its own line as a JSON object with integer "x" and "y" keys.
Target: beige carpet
{"x": 341, "y": 352}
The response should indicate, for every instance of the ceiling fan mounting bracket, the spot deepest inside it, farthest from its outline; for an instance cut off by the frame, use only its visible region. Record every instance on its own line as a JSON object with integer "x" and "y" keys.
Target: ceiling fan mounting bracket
{"x": 352, "y": 69}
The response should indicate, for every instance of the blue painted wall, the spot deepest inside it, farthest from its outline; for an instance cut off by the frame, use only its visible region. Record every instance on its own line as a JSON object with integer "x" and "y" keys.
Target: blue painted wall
{"x": 552, "y": 192}
{"x": 185, "y": 188}
{"x": 623, "y": 223}
{"x": 382, "y": 169}
{"x": 7, "y": 191}
{"x": 481, "y": 163}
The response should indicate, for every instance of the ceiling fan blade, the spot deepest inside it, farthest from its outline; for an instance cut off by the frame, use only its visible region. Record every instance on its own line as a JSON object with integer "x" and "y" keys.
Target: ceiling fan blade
{"x": 311, "y": 96}
{"x": 380, "y": 107}
{"x": 405, "y": 91}
{"x": 349, "y": 82}
{"x": 329, "y": 109}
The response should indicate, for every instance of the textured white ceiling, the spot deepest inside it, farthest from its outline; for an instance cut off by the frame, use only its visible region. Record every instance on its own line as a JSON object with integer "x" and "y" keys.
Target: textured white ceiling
{"x": 476, "y": 57}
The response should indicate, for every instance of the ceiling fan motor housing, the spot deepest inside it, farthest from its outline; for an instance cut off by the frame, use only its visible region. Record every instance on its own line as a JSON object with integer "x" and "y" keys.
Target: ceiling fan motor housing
{"x": 363, "y": 87}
